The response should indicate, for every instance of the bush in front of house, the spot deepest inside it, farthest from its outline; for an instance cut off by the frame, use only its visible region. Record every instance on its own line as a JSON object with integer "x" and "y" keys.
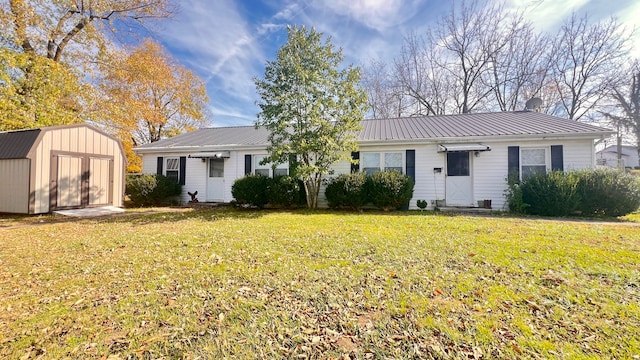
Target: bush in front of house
{"x": 608, "y": 192}
{"x": 584, "y": 192}
{"x": 347, "y": 191}
{"x": 285, "y": 191}
{"x": 251, "y": 190}
{"x": 551, "y": 194}
{"x": 389, "y": 190}
{"x": 151, "y": 189}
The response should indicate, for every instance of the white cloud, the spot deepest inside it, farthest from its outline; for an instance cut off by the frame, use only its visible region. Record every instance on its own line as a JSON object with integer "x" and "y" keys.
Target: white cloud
{"x": 630, "y": 16}
{"x": 544, "y": 14}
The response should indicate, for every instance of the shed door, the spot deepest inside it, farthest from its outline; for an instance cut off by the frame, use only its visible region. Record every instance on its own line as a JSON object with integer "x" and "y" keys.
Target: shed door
{"x": 69, "y": 181}
{"x": 459, "y": 184}
{"x": 100, "y": 180}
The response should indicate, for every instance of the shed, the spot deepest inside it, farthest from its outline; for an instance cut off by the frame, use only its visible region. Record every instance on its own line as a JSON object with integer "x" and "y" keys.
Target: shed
{"x": 60, "y": 167}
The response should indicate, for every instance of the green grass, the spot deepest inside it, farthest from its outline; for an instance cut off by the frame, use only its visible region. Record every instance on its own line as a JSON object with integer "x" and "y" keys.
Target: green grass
{"x": 244, "y": 284}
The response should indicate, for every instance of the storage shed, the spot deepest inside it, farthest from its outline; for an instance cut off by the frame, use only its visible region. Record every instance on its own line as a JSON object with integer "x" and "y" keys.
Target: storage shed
{"x": 60, "y": 167}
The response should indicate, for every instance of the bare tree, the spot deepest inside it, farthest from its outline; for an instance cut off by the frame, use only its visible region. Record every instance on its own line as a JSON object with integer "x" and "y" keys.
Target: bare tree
{"x": 424, "y": 87}
{"x": 586, "y": 60}
{"x": 519, "y": 70}
{"x": 383, "y": 94}
{"x": 470, "y": 36}
{"x": 626, "y": 104}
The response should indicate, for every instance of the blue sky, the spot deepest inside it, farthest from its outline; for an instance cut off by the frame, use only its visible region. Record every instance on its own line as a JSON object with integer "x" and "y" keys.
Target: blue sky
{"x": 227, "y": 43}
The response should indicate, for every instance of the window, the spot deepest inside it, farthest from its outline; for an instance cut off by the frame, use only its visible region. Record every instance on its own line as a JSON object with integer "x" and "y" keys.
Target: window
{"x": 266, "y": 169}
{"x": 216, "y": 168}
{"x": 373, "y": 162}
{"x": 458, "y": 163}
{"x": 173, "y": 169}
{"x": 532, "y": 161}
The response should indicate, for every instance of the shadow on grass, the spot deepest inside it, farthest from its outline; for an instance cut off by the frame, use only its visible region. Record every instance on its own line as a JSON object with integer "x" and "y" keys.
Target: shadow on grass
{"x": 143, "y": 216}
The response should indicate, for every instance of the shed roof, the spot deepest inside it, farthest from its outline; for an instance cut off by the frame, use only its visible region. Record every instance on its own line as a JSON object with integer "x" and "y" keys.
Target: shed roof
{"x": 518, "y": 123}
{"x": 16, "y": 144}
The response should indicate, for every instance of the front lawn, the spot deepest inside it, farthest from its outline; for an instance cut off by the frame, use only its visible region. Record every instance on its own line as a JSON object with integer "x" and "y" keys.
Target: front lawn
{"x": 244, "y": 284}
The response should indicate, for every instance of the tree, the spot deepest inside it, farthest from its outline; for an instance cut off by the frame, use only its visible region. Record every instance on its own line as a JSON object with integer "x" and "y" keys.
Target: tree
{"x": 626, "y": 102}
{"x": 383, "y": 94}
{"x": 49, "y": 28}
{"x": 519, "y": 70}
{"x": 311, "y": 107}
{"x": 150, "y": 97}
{"x": 586, "y": 61}
{"x": 36, "y": 91}
{"x": 425, "y": 87}
{"x": 470, "y": 38}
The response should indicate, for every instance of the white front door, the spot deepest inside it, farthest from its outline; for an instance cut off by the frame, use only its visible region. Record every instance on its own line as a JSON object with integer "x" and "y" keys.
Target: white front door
{"x": 459, "y": 184}
{"x": 215, "y": 180}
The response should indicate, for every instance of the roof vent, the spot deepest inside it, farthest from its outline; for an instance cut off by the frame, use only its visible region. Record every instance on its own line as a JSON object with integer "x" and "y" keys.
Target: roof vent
{"x": 533, "y": 104}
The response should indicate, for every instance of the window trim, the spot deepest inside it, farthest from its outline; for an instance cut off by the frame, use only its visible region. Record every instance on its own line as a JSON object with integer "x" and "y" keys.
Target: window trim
{"x": 381, "y": 160}
{"x": 547, "y": 160}
{"x": 256, "y": 166}
{"x": 177, "y": 167}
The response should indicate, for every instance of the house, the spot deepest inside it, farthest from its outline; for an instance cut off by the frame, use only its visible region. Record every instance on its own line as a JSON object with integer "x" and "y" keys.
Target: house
{"x": 60, "y": 167}
{"x": 609, "y": 156}
{"x": 458, "y": 159}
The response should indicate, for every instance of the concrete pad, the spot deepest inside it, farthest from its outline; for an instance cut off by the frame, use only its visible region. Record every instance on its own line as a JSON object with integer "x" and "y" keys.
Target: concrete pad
{"x": 87, "y": 212}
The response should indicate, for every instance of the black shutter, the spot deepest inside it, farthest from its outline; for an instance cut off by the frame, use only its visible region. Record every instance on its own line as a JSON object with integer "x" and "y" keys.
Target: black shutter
{"x": 293, "y": 163}
{"x": 355, "y": 155}
{"x": 160, "y": 163}
{"x": 514, "y": 164}
{"x": 557, "y": 160}
{"x": 247, "y": 164}
{"x": 411, "y": 164}
{"x": 183, "y": 170}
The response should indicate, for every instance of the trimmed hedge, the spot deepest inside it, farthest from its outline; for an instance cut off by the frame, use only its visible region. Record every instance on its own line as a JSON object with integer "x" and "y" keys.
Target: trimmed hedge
{"x": 151, "y": 190}
{"x": 586, "y": 192}
{"x": 608, "y": 193}
{"x": 285, "y": 191}
{"x": 347, "y": 191}
{"x": 259, "y": 190}
{"x": 390, "y": 190}
{"x": 251, "y": 190}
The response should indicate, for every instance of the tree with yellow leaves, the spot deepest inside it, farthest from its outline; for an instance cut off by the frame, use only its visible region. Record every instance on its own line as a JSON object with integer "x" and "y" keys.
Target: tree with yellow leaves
{"x": 151, "y": 97}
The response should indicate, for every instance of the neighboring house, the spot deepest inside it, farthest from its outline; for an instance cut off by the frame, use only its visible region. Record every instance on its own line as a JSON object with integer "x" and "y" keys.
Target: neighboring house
{"x": 609, "y": 156}
{"x": 460, "y": 159}
{"x": 60, "y": 167}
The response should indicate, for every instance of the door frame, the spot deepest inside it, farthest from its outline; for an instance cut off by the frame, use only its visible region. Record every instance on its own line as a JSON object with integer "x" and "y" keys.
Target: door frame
{"x": 221, "y": 180}
{"x": 84, "y": 181}
{"x": 450, "y": 181}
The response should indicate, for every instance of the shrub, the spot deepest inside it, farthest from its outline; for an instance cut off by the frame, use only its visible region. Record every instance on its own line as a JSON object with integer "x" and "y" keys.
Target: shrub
{"x": 552, "y": 194}
{"x": 347, "y": 190}
{"x": 389, "y": 190}
{"x": 513, "y": 195}
{"x": 251, "y": 190}
{"x": 587, "y": 192}
{"x": 608, "y": 192}
{"x": 285, "y": 191}
{"x": 151, "y": 190}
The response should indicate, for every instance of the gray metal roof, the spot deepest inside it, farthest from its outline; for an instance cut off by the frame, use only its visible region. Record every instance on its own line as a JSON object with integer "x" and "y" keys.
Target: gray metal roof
{"x": 16, "y": 144}
{"x": 519, "y": 123}
{"x": 237, "y": 135}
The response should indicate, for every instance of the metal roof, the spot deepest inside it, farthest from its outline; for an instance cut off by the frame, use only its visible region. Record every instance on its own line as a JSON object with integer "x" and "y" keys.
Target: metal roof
{"x": 230, "y": 136}
{"x": 434, "y": 128}
{"x": 518, "y": 123}
{"x": 16, "y": 144}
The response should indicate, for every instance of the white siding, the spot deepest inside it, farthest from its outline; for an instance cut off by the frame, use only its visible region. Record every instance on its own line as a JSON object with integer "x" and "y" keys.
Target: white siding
{"x": 488, "y": 169}
{"x": 14, "y": 192}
